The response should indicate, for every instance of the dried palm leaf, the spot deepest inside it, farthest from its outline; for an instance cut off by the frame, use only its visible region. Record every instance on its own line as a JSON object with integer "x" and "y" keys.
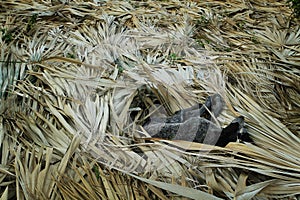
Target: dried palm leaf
{"x": 79, "y": 78}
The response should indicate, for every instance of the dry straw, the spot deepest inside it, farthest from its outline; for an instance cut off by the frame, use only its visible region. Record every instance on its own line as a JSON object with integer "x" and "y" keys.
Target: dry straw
{"x": 78, "y": 79}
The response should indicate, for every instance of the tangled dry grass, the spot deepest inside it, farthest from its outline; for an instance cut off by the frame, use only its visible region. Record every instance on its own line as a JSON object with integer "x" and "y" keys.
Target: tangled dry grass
{"x": 78, "y": 79}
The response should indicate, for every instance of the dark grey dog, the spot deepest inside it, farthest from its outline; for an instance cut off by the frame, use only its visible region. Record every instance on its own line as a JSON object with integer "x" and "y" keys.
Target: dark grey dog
{"x": 197, "y": 124}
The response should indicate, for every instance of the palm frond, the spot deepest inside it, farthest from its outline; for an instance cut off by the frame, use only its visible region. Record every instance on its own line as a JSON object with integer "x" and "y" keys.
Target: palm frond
{"x": 80, "y": 78}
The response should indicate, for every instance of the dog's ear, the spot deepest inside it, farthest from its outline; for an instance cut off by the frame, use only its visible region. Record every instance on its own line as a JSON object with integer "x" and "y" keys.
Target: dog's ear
{"x": 243, "y": 136}
{"x": 215, "y": 104}
{"x": 231, "y": 132}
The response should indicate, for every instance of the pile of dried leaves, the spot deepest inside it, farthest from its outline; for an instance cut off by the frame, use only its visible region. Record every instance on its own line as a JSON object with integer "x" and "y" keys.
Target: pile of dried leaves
{"x": 79, "y": 78}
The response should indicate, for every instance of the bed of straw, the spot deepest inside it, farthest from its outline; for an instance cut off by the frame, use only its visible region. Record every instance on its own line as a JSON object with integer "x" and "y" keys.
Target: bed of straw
{"x": 79, "y": 78}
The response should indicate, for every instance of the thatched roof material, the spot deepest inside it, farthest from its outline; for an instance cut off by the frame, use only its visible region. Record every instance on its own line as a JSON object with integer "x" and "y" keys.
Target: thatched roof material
{"x": 79, "y": 78}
